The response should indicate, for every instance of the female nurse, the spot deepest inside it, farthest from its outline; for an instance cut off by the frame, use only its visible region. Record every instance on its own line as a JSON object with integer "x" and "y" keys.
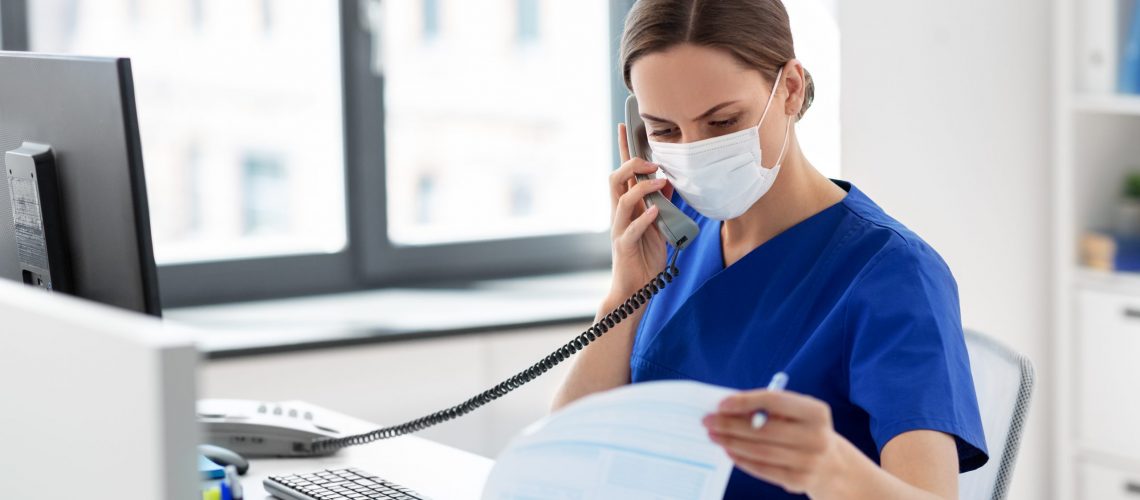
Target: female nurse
{"x": 791, "y": 272}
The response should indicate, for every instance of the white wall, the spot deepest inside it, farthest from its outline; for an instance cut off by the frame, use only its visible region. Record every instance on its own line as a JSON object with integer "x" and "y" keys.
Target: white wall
{"x": 945, "y": 115}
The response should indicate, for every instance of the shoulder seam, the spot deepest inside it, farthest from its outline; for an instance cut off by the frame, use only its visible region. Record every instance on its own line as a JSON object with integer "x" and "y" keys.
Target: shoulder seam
{"x": 864, "y": 218}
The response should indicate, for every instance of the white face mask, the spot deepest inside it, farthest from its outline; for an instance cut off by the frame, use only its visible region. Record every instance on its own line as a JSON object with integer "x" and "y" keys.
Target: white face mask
{"x": 721, "y": 177}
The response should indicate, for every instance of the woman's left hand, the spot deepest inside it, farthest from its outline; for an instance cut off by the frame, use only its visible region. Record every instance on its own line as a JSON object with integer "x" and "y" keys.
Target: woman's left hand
{"x": 797, "y": 448}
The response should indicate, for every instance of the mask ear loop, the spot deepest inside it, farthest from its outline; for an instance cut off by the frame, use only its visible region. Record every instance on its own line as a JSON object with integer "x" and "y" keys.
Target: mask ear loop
{"x": 787, "y": 128}
{"x": 771, "y": 96}
{"x": 784, "y": 147}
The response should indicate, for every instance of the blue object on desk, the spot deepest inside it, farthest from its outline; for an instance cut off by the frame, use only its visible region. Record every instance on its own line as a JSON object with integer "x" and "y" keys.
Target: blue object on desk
{"x": 1127, "y": 254}
{"x": 233, "y": 483}
{"x": 210, "y": 470}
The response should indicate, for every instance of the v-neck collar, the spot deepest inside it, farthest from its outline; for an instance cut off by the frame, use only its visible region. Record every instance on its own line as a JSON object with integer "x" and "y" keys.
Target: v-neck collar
{"x": 777, "y": 240}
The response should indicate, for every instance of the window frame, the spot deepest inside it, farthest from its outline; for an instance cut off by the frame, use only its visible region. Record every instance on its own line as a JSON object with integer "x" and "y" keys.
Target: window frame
{"x": 370, "y": 259}
{"x": 13, "y": 25}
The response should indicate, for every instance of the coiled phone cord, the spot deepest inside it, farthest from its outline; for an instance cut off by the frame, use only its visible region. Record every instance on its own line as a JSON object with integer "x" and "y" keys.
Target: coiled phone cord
{"x": 622, "y": 311}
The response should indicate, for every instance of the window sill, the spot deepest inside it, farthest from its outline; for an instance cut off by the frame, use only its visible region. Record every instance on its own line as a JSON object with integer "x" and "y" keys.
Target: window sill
{"x": 392, "y": 314}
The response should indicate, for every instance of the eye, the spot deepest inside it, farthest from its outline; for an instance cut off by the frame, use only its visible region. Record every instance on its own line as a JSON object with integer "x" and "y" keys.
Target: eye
{"x": 724, "y": 123}
{"x": 663, "y": 133}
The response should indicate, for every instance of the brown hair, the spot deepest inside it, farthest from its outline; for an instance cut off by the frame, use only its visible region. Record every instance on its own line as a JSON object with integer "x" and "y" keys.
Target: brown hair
{"x": 756, "y": 32}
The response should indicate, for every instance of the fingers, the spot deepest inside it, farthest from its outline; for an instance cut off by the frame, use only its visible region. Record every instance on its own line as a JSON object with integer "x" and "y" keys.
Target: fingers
{"x": 790, "y": 480}
{"x": 623, "y": 143}
{"x": 666, "y": 191}
{"x": 795, "y": 449}
{"x": 622, "y": 179}
{"x": 793, "y": 467}
{"x": 768, "y": 454}
{"x": 637, "y": 228}
{"x": 623, "y": 154}
{"x": 632, "y": 199}
{"x": 775, "y": 431}
{"x": 788, "y": 405}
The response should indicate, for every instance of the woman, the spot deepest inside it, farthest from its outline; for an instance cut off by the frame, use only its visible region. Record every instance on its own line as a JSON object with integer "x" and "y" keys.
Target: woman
{"x": 791, "y": 272}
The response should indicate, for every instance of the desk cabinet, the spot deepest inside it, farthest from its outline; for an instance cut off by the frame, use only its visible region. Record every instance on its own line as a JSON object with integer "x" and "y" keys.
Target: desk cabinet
{"x": 1108, "y": 385}
{"x": 1106, "y": 389}
{"x": 1102, "y": 482}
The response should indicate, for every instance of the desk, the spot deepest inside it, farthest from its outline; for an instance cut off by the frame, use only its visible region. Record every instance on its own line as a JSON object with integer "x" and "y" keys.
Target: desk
{"x": 437, "y": 471}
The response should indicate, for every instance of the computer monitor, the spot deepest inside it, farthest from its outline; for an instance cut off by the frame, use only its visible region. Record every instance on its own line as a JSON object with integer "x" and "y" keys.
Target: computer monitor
{"x": 74, "y": 119}
{"x": 98, "y": 402}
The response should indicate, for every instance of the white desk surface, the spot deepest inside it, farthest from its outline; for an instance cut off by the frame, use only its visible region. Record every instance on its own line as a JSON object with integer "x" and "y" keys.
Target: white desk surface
{"x": 436, "y": 471}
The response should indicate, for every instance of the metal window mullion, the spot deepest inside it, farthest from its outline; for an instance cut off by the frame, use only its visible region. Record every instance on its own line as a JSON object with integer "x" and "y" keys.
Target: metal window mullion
{"x": 14, "y": 25}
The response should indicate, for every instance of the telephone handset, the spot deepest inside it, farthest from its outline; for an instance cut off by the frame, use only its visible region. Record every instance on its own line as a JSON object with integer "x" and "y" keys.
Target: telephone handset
{"x": 674, "y": 225}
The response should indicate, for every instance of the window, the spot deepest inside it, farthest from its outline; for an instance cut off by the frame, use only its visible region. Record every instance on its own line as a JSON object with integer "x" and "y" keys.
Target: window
{"x": 527, "y": 14}
{"x": 430, "y": 19}
{"x": 213, "y": 81}
{"x": 265, "y": 197}
{"x": 197, "y": 14}
{"x": 267, "y": 7}
{"x": 278, "y": 171}
{"x": 133, "y": 10}
{"x": 519, "y": 160}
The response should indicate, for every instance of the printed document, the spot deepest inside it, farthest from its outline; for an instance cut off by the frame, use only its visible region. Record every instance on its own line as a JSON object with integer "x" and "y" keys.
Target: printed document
{"x": 641, "y": 441}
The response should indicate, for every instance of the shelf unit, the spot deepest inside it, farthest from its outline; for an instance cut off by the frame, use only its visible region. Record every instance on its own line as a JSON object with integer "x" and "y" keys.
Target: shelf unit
{"x": 1096, "y": 315}
{"x": 1128, "y": 105}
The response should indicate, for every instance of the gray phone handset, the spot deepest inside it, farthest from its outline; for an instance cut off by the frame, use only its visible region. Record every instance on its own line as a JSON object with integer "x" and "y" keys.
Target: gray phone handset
{"x": 674, "y": 225}
{"x": 264, "y": 429}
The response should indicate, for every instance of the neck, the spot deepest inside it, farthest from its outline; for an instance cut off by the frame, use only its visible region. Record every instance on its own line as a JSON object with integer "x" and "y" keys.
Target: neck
{"x": 799, "y": 192}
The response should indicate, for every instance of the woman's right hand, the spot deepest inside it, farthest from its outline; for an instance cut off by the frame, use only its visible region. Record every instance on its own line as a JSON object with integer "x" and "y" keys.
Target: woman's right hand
{"x": 637, "y": 247}
{"x": 638, "y": 255}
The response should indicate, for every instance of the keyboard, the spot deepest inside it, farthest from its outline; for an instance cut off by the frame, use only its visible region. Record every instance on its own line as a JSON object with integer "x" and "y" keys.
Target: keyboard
{"x": 337, "y": 484}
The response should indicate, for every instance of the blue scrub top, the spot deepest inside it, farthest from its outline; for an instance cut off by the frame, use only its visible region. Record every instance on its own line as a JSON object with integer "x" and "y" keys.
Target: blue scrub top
{"x": 857, "y": 309}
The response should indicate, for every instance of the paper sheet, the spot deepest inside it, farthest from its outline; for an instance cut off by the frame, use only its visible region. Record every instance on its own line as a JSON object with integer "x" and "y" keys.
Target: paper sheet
{"x": 640, "y": 441}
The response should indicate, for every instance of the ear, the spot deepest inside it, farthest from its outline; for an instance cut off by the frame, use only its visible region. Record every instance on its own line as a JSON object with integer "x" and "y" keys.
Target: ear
{"x": 795, "y": 84}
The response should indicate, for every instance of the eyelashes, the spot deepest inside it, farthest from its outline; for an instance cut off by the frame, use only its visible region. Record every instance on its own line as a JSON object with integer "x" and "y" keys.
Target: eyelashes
{"x": 725, "y": 123}
{"x": 715, "y": 124}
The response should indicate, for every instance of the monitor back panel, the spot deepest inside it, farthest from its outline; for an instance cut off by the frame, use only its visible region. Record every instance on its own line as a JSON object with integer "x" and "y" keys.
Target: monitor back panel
{"x": 84, "y": 109}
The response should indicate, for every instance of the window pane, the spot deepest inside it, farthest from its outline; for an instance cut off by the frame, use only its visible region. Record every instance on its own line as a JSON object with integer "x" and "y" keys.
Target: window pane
{"x": 526, "y": 11}
{"x": 240, "y": 109}
{"x": 498, "y": 118}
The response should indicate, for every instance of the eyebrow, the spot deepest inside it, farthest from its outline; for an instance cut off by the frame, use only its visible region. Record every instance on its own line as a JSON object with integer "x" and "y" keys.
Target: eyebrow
{"x": 704, "y": 115}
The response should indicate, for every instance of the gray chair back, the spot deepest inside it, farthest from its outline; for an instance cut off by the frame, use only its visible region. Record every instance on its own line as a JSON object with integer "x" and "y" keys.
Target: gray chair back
{"x": 1003, "y": 380}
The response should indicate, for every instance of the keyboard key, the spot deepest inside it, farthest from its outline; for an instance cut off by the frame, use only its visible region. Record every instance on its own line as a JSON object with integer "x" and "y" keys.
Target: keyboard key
{"x": 341, "y": 484}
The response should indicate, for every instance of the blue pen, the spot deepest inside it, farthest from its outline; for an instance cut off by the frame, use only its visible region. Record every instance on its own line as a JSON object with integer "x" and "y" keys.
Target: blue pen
{"x": 778, "y": 383}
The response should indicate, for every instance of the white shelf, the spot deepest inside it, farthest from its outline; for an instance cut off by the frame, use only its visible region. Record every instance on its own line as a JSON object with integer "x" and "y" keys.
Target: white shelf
{"x": 1096, "y": 144}
{"x": 1119, "y": 104}
{"x": 1091, "y": 452}
{"x": 1116, "y": 281}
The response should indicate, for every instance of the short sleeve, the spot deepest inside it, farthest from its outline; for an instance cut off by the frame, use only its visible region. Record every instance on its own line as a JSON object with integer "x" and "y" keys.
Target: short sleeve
{"x": 908, "y": 365}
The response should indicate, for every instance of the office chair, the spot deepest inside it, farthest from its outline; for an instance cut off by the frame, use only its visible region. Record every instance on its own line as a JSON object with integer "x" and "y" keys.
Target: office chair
{"x": 1003, "y": 380}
